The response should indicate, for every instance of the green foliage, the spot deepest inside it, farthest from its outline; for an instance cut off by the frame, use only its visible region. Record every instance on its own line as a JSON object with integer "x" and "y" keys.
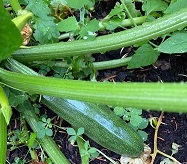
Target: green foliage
{"x": 177, "y": 43}
{"x": 173, "y": 7}
{"x": 17, "y": 137}
{"x": 134, "y": 118}
{"x": 45, "y": 30}
{"x": 67, "y": 25}
{"x": 77, "y": 4}
{"x": 44, "y": 127}
{"x": 10, "y": 37}
{"x": 91, "y": 152}
{"x": 74, "y": 134}
{"x": 144, "y": 55}
{"x": 153, "y": 5}
{"x": 17, "y": 160}
{"x": 45, "y": 27}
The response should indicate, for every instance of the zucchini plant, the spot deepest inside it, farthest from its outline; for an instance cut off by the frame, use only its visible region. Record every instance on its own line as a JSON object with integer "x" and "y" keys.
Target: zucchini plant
{"x": 76, "y": 96}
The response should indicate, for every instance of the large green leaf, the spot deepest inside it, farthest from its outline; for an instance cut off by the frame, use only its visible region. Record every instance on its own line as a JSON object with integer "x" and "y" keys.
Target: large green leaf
{"x": 144, "y": 55}
{"x": 10, "y": 37}
{"x": 177, "y": 43}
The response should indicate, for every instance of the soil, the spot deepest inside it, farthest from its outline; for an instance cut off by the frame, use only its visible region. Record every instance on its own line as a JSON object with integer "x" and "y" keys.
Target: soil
{"x": 168, "y": 68}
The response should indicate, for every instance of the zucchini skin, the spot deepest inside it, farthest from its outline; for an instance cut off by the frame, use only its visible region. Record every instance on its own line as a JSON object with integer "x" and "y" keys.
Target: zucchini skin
{"x": 100, "y": 124}
{"x": 101, "y": 44}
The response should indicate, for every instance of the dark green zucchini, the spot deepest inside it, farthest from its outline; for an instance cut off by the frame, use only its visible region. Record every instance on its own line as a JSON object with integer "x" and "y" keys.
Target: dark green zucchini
{"x": 100, "y": 124}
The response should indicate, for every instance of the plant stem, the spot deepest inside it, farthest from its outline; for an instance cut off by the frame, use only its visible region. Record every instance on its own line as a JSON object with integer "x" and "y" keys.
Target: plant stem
{"x": 98, "y": 65}
{"x": 155, "y": 96}
{"x": 128, "y": 13}
{"x": 84, "y": 158}
{"x": 101, "y": 44}
{"x": 168, "y": 156}
{"x": 111, "y": 160}
{"x": 124, "y": 23}
{"x": 155, "y": 138}
{"x": 156, "y": 150}
{"x": 3, "y": 139}
{"x": 15, "y": 5}
{"x": 47, "y": 143}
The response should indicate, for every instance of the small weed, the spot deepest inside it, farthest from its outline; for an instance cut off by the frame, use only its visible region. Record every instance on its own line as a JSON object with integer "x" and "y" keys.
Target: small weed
{"x": 74, "y": 134}
{"x": 91, "y": 152}
{"x": 44, "y": 127}
{"x": 17, "y": 160}
{"x": 134, "y": 118}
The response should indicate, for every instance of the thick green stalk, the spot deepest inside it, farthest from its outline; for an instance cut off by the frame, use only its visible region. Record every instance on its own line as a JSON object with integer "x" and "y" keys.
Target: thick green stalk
{"x": 101, "y": 44}
{"x": 15, "y": 5}
{"x": 47, "y": 142}
{"x": 155, "y": 96}
{"x": 3, "y": 139}
{"x": 21, "y": 20}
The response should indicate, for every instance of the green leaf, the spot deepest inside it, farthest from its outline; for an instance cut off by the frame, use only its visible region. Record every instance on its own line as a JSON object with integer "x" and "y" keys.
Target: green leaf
{"x": 132, "y": 10}
{"x": 135, "y": 111}
{"x": 41, "y": 133}
{"x": 58, "y": 2}
{"x": 143, "y": 134}
{"x": 144, "y": 55}
{"x": 46, "y": 30}
{"x": 7, "y": 113}
{"x": 77, "y": 4}
{"x": 176, "y": 6}
{"x": 10, "y": 37}
{"x": 119, "y": 111}
{"x": 40, "y": 125}
{"x": 87, "y": 32}
{"x": 31, "y": 140}
{"x": 39, "y": 8}
{"x": 143, "y": 124}
{"x": 177, "y": 43}
{"x": 154, "y": 5}
{"x": 48, "y": 132}
{"x": 71, "y": 131}
{"x": 92, "y": 150}
{"x": 135, "y": 120}
{"x": 116, "y": 11}
{"x": 67, "y": 25}
{"x": 80, "y": 131}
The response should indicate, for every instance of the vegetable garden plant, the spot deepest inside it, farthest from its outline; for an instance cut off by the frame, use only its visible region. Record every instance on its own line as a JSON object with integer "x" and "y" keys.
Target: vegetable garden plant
{"x": 23, "y": 69}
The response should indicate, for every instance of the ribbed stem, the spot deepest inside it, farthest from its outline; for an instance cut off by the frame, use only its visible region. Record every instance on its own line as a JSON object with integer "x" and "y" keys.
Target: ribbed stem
{"x": 155, "y": 96}
{"x": 101, "y": 44}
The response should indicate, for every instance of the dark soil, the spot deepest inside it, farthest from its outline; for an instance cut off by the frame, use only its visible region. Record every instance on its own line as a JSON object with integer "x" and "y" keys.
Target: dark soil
{"x": 168, "y": 68}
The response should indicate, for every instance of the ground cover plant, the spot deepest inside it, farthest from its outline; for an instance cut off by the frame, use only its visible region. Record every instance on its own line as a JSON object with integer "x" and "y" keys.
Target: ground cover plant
{"x": 52, "y": 65}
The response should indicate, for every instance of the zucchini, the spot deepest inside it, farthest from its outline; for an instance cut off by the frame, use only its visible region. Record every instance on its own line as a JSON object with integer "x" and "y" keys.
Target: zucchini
{"x": 101, "y": 44}
{"x": 100, "y": 124}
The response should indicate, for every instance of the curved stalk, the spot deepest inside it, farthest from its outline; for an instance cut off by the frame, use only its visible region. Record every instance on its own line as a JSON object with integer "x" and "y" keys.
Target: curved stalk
{"x": 15, "y": 5}
{"x": 101, "y": 44}
{"x": 155, "y": 96}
